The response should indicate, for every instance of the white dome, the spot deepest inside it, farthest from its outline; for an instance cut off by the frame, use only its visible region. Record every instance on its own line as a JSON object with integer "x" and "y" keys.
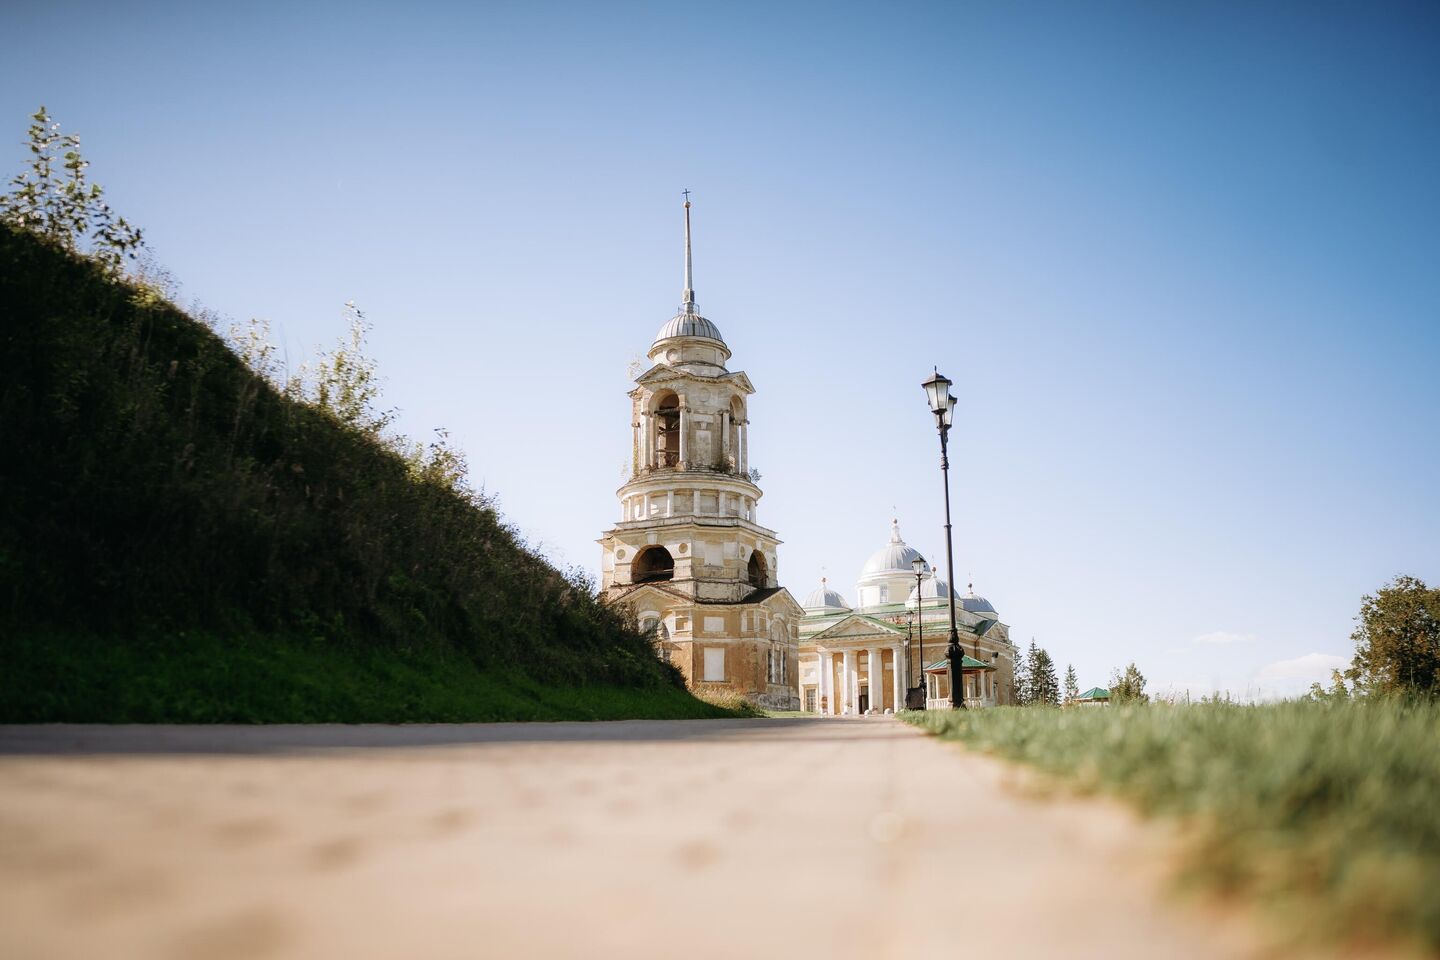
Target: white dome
{"x": 823, "y": 598}
{"x": 895, "y": 557}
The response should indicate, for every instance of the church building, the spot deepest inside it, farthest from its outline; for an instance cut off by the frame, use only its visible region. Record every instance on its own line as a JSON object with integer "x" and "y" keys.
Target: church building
{"x": 863, "y": 659}
{"x": 688, "y": 554}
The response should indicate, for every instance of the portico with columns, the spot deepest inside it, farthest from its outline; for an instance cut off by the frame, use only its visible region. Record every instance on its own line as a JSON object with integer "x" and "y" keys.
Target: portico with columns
{"x": 860, "y": 667}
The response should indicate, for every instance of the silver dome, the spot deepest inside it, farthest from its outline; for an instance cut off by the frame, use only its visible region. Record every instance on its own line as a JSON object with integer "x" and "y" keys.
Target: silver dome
{"x": 686, "y": 324}
{"x": 974, "y": 604}
{"x": 894, "y": 557}
{"x": 823, "y": 598}
{"x": 931, "y": 588}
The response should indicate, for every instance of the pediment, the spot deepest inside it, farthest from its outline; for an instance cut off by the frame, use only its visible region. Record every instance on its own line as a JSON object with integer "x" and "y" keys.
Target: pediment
{"x": 662, "y": 373}
{"x": 644, "y": 591}
{"x": 740, "y": 380}
{"x": 857, "y": 625}
{"x": 783, "y": 598}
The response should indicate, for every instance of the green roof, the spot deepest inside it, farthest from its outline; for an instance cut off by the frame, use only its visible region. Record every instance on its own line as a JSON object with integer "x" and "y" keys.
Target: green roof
{"x": 967, "y": 662}
{"x": 1095, "y": 693}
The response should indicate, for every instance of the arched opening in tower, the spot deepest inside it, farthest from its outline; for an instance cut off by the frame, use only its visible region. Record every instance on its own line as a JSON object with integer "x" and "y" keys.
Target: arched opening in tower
{"x": 756, "y": 569}
{"x": 652, "y": 564}
{"x": 667, "y": 431}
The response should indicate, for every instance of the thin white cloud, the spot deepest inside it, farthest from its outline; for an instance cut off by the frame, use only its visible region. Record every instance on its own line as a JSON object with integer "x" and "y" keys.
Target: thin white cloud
{"x": 1224, "y": 636}
{"x": 1309, "y": 668}
{"x": 1274, "y": 681}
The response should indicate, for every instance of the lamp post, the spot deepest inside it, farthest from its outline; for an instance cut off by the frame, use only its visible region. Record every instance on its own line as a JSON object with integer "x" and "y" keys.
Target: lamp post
{"x": 937, "y": 391}
{"x": 918, "y": 565}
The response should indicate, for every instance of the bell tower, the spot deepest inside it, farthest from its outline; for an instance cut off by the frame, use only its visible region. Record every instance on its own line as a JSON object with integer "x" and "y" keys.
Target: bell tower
{"x": 688, "y": 554}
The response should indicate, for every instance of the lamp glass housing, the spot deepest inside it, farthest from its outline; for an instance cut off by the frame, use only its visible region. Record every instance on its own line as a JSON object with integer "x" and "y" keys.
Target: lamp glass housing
{"x": 949, "y": 416}
{"x": 918, "y": 565}
{"x": 937, "y": 391}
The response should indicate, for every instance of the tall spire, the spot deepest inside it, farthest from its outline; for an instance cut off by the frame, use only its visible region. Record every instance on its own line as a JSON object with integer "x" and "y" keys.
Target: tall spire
{"x": 689, "y": 295}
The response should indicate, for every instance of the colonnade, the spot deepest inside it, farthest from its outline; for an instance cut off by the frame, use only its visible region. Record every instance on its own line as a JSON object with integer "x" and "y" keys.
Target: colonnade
{"x": 846, "y": 700}
{"x": 734, "y": 439}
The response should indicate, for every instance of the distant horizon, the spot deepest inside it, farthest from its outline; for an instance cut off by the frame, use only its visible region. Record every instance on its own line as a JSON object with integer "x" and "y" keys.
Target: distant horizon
{"x": 1179, "y": 262}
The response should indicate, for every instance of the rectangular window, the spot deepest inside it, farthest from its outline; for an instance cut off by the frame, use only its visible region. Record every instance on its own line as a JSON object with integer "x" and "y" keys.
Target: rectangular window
{"x": 885, "y": 589}
{"x": 810, "y": 700}
{"x": 715, "y": 664}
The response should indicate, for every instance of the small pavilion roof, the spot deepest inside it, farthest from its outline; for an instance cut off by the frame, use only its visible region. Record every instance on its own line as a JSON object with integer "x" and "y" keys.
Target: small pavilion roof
{"x": 967, "y": 662}
{"x": 1095, "y": 693}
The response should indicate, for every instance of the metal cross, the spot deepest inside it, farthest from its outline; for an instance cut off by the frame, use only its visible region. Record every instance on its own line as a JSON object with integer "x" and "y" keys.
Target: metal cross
{"x": 686, "y": 191}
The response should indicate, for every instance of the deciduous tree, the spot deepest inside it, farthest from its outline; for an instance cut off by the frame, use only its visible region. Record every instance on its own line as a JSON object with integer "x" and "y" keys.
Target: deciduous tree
{"x": 1128, "y": 686}
{"x": 53, "y": 198}
{"x": 345, "y": 382}
{"x": 1397, "y": 644}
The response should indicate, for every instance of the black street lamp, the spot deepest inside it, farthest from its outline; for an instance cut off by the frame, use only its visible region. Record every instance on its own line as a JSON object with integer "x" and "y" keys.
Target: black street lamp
{"x": 918, "y": 700}
{"x": 937, "y": 391}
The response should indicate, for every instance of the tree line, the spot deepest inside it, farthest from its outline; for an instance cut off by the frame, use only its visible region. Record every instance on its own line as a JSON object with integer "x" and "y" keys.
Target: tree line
{"x": 1036, "y": 683}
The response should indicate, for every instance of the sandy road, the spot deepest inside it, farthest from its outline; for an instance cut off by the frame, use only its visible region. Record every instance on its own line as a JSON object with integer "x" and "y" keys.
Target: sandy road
{"x": 780, "y": 838}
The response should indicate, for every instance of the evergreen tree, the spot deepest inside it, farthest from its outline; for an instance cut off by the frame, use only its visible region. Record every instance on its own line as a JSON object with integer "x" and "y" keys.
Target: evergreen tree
{"x": 1072, "y": 685}
{"x": 1022, "y": 677}
{"x": 1044, "y": 687}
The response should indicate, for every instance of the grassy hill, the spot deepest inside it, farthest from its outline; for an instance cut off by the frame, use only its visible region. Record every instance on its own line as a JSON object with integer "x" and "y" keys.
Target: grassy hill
{"x": 180, "y": 541}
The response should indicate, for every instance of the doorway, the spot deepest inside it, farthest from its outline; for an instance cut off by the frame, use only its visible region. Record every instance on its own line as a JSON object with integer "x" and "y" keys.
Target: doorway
{"x": 864, "y": 700}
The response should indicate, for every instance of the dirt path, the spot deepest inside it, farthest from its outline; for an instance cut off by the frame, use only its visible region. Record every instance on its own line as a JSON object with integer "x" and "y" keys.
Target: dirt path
{"x": 736, "y": 839}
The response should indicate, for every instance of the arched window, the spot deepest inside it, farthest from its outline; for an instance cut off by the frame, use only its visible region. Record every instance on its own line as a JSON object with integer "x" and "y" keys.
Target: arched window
{"x": 652, "y": 564}
{"x": 756, "y": 569}
{"x": 667, "y": 431}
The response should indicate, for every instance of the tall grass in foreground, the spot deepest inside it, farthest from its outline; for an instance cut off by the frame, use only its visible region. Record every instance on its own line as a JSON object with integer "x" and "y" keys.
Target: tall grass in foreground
{"x": 1326, "y": 812}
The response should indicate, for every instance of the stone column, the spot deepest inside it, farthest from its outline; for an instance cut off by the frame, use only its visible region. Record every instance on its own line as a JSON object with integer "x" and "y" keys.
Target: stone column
{"x": 647, "y": 443}
{"x": 827, "y": 681}
{"x": 670, "y": 503}
{"x": 847, "y": 682}
{"x": 877, "y": 679}
{"x": 725, "y": 433}
{"x": 684, "y": 436}
{"x": 645, "y": 506}
{"x": 744, "y": 455}
{"x": 897, "y": 687}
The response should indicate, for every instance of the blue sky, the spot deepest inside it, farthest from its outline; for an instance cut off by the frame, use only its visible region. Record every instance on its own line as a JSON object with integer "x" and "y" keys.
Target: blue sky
{"x": 1180, "y": 260}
